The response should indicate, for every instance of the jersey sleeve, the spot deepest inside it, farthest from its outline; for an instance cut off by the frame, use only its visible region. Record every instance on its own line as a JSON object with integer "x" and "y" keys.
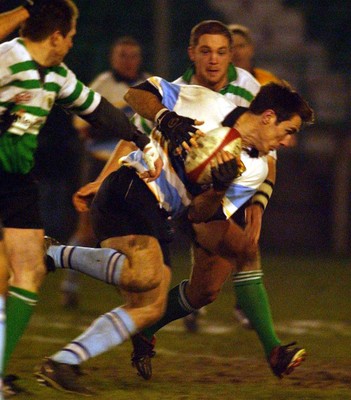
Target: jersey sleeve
{"x": 75, "y": 96}
{"x": 245, "y": 186}
{"x": 165, "y": 91}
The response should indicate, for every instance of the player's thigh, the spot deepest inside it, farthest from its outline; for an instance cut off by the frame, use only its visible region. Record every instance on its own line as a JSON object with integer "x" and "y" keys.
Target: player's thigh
{"x": 143, "y": 267}
{"x": 156, "y": 297}
{"x": 225, "y": 238}
{"x": 209, "y": 271}
{"x": 209, "y": 235}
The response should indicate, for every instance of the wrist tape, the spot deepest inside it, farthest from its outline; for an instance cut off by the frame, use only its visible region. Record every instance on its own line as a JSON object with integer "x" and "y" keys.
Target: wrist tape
{"x": 263, "y": 194}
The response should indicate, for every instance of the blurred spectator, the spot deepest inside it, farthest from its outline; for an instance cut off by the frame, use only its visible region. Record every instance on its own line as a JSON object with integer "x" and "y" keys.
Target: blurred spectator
{"x": 244, "y": 53}
{"x": 126, "y": 70}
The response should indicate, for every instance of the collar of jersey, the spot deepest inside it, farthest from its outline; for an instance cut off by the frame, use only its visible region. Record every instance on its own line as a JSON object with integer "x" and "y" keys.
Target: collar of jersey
{"x": 190, "y": 72}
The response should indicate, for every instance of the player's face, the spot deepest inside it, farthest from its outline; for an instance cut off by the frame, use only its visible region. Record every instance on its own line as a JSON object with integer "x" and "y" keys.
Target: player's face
{"x": 278, "y": 134}
{"x": 126, "y": 60}
{"x": 242, "y": 52}
{"x": 211, "y": 56}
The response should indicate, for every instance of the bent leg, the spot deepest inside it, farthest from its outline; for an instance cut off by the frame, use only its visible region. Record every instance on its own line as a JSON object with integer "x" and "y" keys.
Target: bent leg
{"x": 144, "y": 288}
{"x": 209, "y": 272}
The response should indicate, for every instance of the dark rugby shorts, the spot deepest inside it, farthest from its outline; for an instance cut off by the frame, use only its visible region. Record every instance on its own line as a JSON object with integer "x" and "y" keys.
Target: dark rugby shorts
{"x": 124, "y": 205}
{"x": 19, "y": 201}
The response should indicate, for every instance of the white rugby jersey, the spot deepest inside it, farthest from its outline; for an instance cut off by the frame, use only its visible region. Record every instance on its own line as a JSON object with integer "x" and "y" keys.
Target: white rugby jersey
{"x": 240, "y": 90}
{"x": 30, "y": 92}
{"x": 212, "y": 107}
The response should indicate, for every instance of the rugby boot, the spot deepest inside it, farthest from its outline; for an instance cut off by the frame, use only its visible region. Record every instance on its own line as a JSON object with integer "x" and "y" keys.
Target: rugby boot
{"x": 284, "y": 359}
{"x": 63, "y": 377}
{"x": 143, "y": 351}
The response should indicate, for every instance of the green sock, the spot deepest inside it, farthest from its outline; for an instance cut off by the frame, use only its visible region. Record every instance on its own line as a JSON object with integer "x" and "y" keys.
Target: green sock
{"x": 177, "y": 307}
{"x": 253, "y": 299}
{"x": 19, "y": 308}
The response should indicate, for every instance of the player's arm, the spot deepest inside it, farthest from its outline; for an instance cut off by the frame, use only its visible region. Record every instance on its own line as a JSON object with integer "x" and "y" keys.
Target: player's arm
{"x": 11, "y": 20}
{"x": 254, "y": 212}
{"x": 111, "y": 119}
{"x": 146, "y": 100}
{"x": 85, "y": 194}
{"x": 224, "y": 170}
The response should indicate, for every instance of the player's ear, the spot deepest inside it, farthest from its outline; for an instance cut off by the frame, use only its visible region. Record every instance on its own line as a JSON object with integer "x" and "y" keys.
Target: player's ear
{"x": 55, "y": 37}
{"x": 268, "y": 116}
{"x": 191, "y": 53}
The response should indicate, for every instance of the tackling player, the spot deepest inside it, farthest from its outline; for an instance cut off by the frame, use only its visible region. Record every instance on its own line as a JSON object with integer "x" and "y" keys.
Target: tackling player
{"x": 32, "y": 78}
{"x": 122, "y": 208}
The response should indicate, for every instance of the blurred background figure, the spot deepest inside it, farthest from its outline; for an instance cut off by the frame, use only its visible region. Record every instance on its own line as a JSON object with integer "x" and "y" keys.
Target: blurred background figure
{"x": 125, "y": 71}
{"x": 244, "y": 53}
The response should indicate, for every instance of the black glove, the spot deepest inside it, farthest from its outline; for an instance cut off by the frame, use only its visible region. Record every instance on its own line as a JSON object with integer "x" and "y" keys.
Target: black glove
{"x": 175, "y": 128}
{"x": 140, "y": 139}
{"x": 224, "y": 174}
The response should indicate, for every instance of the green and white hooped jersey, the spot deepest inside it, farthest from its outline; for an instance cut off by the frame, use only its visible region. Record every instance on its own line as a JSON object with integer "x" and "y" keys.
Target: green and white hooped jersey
{"x": 241, "y": 89}
{"x": 30, "y": 96}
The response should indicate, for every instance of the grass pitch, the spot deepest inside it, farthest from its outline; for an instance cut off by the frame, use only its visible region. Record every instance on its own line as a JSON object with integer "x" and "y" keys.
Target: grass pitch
{"x": 311, "y": 303}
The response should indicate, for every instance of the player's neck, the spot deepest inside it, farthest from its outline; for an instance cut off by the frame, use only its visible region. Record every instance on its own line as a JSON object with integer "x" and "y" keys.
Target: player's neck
{"x": 247, "y": 126}
{"x": 40, "y": 52}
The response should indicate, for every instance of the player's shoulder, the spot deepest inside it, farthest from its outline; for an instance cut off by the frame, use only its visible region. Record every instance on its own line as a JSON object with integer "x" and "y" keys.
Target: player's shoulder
{"x": 8, "y": 45}
{"x": 242, "y": 76}
{"x": 11, "y": 53}
{"x": 10, "y": 50}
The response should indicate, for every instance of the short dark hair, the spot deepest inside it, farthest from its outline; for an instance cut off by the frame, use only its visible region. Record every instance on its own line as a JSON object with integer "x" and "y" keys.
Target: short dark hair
{"x": 50, "y": 16}
{"x": 283, "y": 100}
{"x": 127, "y": 40}
{"x": 211, "y": 27}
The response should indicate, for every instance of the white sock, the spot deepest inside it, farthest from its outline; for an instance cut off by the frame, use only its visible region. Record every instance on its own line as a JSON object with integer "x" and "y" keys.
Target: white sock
{"x": 102, "y": 264}
{"x": 109, "y": 330}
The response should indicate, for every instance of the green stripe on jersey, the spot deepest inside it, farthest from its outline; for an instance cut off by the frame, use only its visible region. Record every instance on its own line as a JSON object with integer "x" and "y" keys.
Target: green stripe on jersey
{"x": 88, "y": 102}
{"x": 52, "y": 87}
{"x": 238, "y": 91}
{"x": 38, "y": 111}
{"x": 58, "y": 70}
{"x": 146, "y": 127}
{"x": 23, "y": 66}
{"x": 73, "y": 96}
{"x": 27, "y": 84}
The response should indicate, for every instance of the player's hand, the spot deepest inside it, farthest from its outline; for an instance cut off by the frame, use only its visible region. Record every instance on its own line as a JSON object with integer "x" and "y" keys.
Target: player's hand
{"x": 83, "y": 196}
{"x": 224, "y": 169}
{"x": 153, "y": 161}
{"x": 180, "y": 131}
{"x": 253, "y": 220}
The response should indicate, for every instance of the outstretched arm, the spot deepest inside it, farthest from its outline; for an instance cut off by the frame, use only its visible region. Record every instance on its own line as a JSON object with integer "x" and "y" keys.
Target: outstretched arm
{"x": 11, "y": 20}
{"x": 177, "y": 129}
